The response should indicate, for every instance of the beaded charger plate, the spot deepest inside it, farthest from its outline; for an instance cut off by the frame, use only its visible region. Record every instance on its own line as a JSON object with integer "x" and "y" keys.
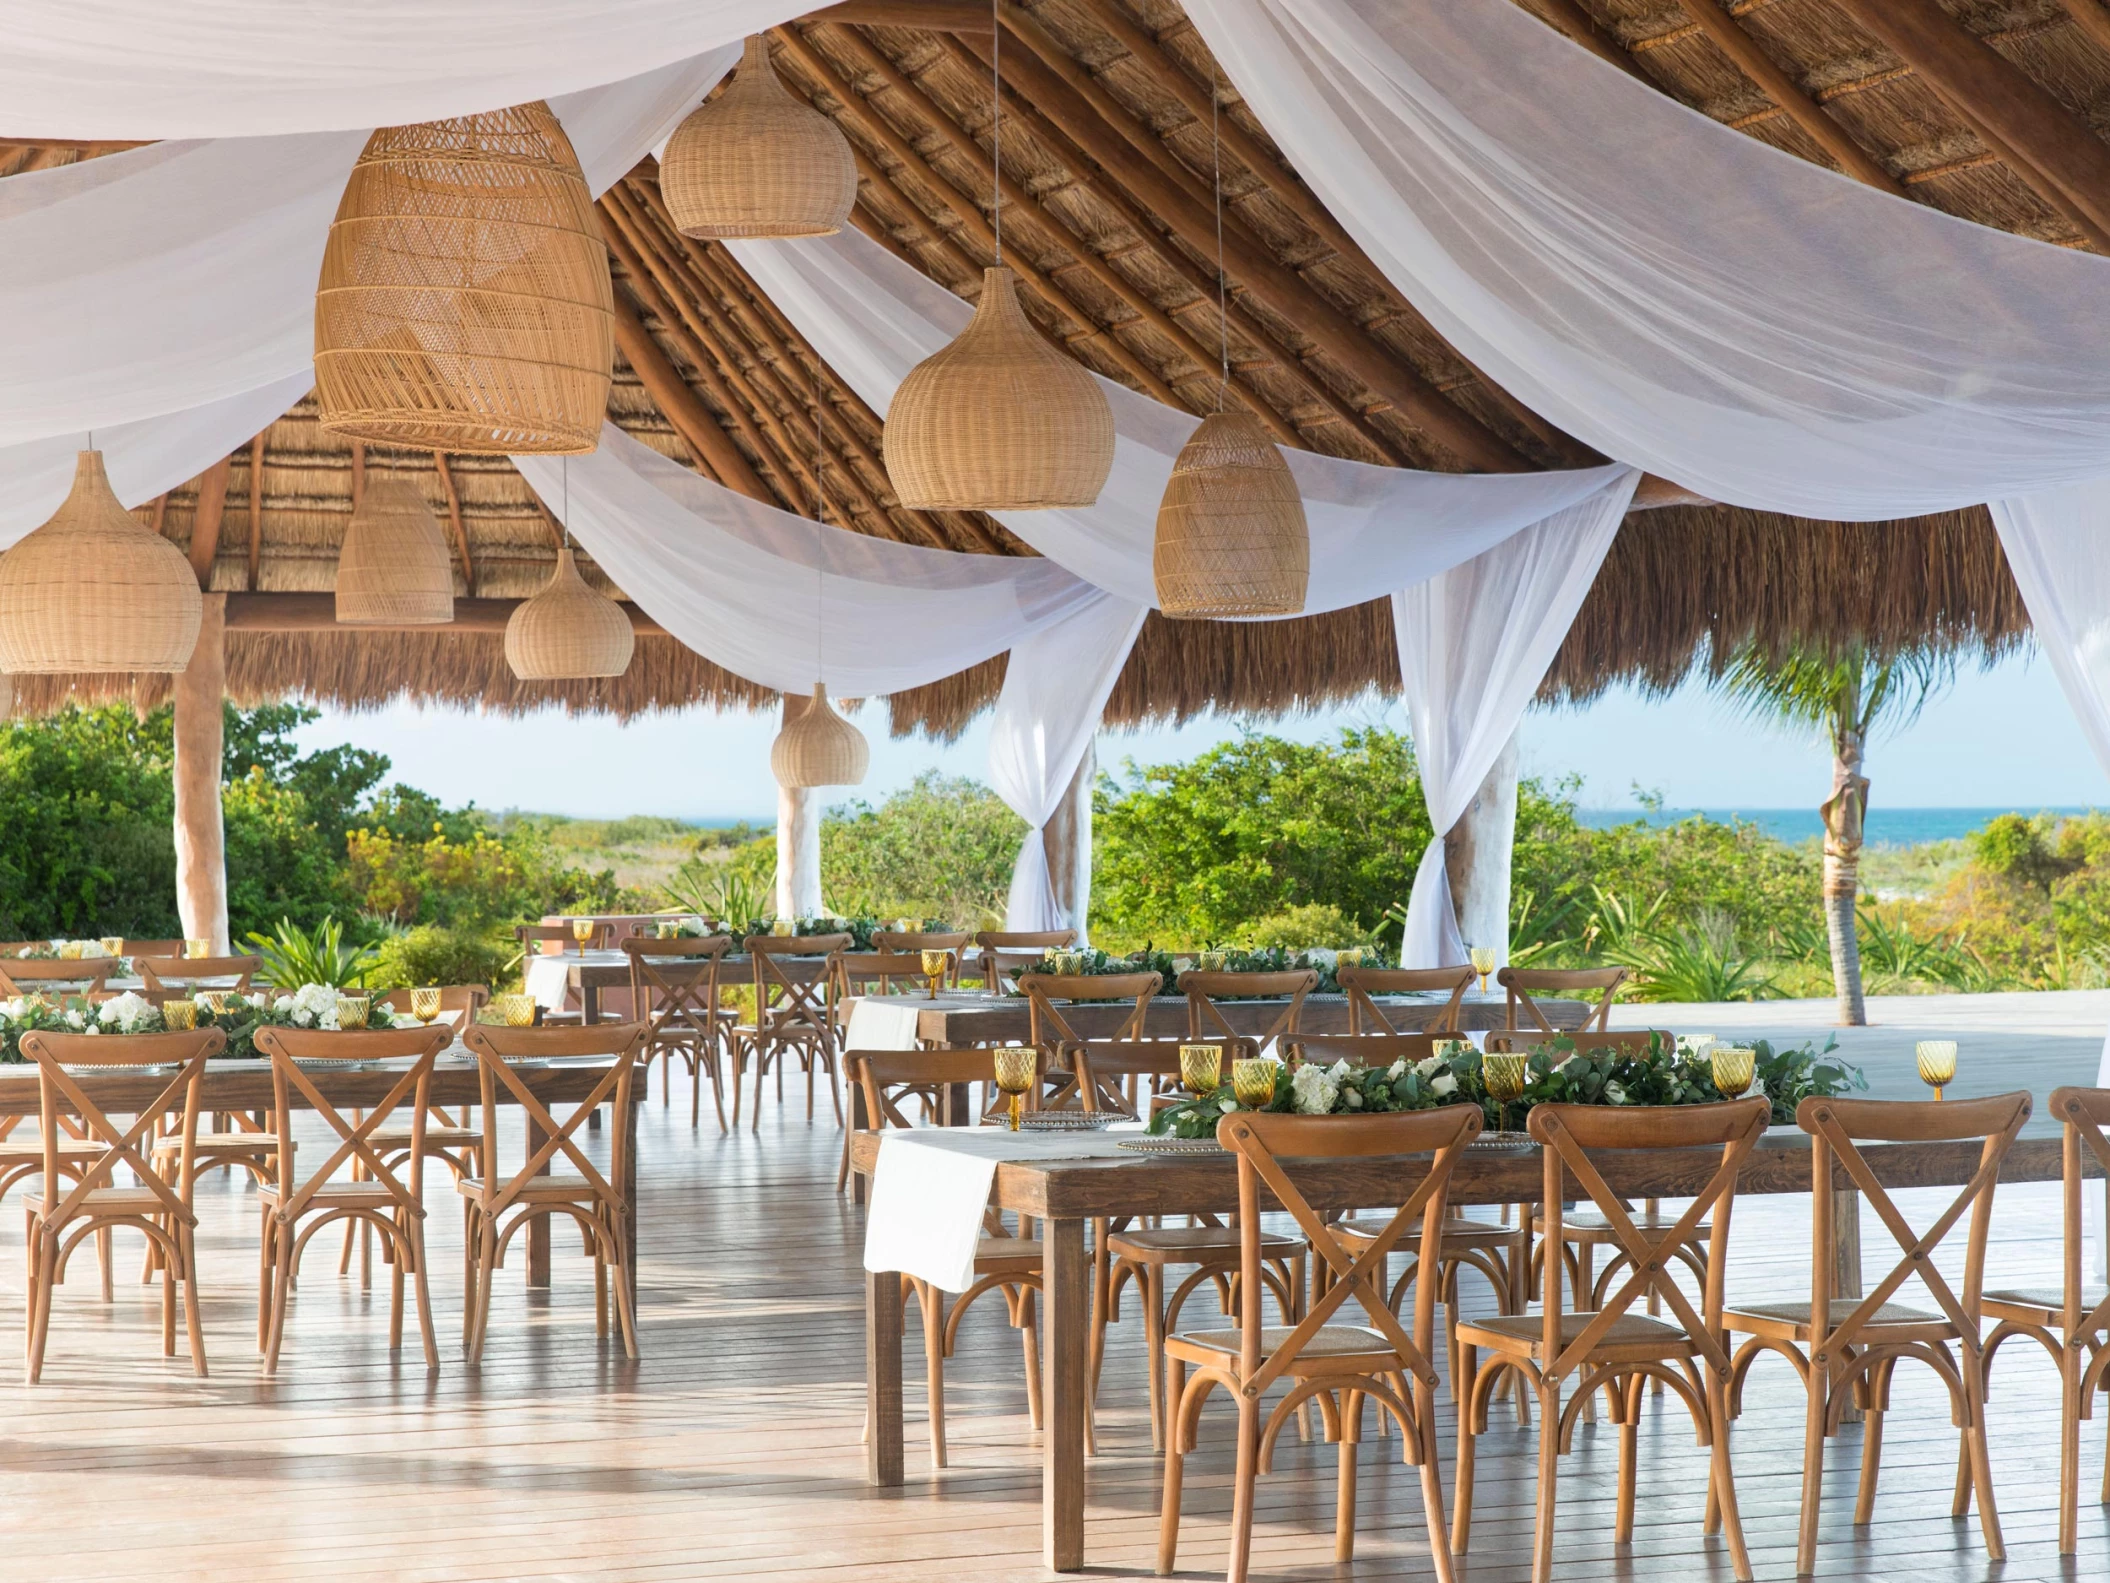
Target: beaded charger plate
{"x": 1502, "y": 1143}
{"x": 1068, "y": 1120}
{"x": 1173, "y": 1145}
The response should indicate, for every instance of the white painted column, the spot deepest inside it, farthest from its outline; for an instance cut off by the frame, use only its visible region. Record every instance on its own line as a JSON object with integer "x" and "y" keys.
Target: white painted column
{"x": 798, "y": 839}
{"x": 201, "y": 835}
{"x": 1477, "y": 851}
{"x": 1068, "y": 837}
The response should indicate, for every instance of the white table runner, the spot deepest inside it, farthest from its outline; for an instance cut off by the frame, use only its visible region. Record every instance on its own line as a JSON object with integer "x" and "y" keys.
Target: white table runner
{"x": 879, "y": 1022}
{"x": 931, "y": 1185}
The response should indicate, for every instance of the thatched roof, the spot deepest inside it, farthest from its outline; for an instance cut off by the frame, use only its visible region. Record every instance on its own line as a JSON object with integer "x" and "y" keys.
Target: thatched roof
{"x": 1107, "y": 158}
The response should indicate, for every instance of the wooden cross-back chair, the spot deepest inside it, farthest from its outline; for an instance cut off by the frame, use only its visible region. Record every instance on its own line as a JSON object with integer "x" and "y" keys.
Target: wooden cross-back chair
{"x": 63, "y": 1211}
{"x": 1205, "y": 1019}
{"x": 1847, "y": 1347}
{"x": 1359, "y": 984}
{"x": 1364, "y": 1049}
{"x": 1342, "y": 1365}
{"x": 1007, "y": 1264}
{"x": 877, "y": 973}
{"x": 496, "y": 1205}
{"x": 1009, "y": 952}
{"x": 1059, "y": 1040}
{"x": 1605, "y": 1345}
{"x": 1521, "y": 982}
{"x": 88, "y": 975}
{"x": 914, "y": 943}
{"x": 185, "y": 975}
{"x": 295, "y": 1208}
{"x": 2070, "y": 1321}
{"x": 794, "y": 1015}
{"x": 674, "y": 992}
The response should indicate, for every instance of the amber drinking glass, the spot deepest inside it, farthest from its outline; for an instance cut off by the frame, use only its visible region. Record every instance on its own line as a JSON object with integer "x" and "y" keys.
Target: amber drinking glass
{"x": 179, "y": 1016}
{"x": 1505, "y": 1076}
{"x": 934, "y": 965}
{"x": 352, "y": 1011}
{"x": 1201, "y": 1068}
{"x": 1017, "y": 1066}
{"x": 1733, "y": 1068}
{"x": 1937, "y": 1059}
{"x": 425, "y": 1005}
{"x": 1253, "y": 1082}
{"x": 1483, "y": 960}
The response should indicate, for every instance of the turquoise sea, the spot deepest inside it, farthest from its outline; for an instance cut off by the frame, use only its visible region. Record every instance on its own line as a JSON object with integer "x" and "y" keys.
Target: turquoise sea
{"x": 1886, "y": 826}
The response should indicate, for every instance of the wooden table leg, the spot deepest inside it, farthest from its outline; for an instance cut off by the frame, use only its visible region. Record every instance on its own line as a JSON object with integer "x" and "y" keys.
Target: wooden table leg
{"x": 883, "y": 1377}
{"x": 1066, "y": 1277}
{"x": 538, "y": 1229}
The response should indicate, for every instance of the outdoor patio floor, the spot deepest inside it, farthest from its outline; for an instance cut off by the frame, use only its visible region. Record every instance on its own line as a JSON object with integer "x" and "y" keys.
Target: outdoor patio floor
{"x": 732, "y": 1448}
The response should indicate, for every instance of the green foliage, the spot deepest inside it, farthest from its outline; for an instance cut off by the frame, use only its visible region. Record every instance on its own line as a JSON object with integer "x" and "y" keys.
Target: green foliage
{"x": 1311, "y": 926}
{"x": 1844, "y": 693}
{"x": 293, "y": 956}
{"x": 719, "y": 888}
{"x": 942, "y": 846}
{"x": 1700, "y": 961}
{"x": 429, "y": 954}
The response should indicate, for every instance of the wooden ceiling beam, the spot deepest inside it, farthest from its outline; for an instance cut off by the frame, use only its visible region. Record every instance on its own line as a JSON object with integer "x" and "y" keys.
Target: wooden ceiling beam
{"x": 1284, "y": 291}
{"x": 2090, "y": 17}
{"x": 256, "y": 511}
{"x": 691, "y": 419}
{"x": 254, "y": 612}
{"x": 936, "y": 15}
{"x": 454, "y": 519}
{"x": 206, "y": 519}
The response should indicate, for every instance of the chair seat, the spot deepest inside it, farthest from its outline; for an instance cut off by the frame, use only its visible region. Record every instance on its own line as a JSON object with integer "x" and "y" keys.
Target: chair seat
{"x": 385, "y": 1138}
{"x": 1588, "y": 1225}
{"x": 546, "y": 1190}
{"x": 1193, "y": 1244}
{"x": 106, "y": 1201}
{"x": 1791, "y": 1321}
{"x": 20, "y": 1153}
{"x": 2036, "y": 1305}
{"x": 1334, "y": 1344}
{"x": 1525, "y": 1333}
{"x": 997, "y": 1255}
{"x": 336, "y": 1195}
{"x": 223, "y": 1143}
{"x": 1459, "y": 1233}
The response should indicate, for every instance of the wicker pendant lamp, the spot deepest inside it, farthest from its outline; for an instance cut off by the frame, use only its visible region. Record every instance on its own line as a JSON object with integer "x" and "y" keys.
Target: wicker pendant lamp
{"x": 819, "y": 747}
{"x": 94, "y": 590}
{"x": 1231, "y": 538}
{"x": 754, "y": 162}
{"x": 464, "y": 303}
{"x": 394, "y": 570}
{"x": 568, "y": 631}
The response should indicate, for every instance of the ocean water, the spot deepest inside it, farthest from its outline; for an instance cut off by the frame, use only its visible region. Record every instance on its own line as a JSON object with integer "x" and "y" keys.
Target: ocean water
{"x": 1886, "y": 826}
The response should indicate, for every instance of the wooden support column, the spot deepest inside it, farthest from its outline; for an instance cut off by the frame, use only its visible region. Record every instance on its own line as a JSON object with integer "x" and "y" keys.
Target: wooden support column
{"x": 1476, "y": 857}
{"x": 1068, "y": 839}
{"x": 798, "y": 838}
{"x": 201, "y": 839}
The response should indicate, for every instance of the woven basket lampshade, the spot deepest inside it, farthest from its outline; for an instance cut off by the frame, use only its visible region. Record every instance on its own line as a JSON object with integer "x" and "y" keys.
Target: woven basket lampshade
{"x": 94, "y": 590}
{"x": 755, "y": 162}
{"x": 568, "y": 631}
{"x": 464, "y": 303}
{"x": 819, "y": 748}
{"x": 394, "y": 570}
{"x": 1231, "y": 537}
{"x": 999, "y": 420}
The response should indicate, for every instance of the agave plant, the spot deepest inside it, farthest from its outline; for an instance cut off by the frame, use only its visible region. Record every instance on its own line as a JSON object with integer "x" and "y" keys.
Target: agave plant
{"x": 717, "y": 890}
{"x": 293, "y": 957}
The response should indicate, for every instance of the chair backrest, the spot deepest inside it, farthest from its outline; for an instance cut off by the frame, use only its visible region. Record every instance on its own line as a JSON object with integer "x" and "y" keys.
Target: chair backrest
{"x": 1627, "y": 1041}
{"x": 795, "y": 977}
{"x": 1360, "y": 983}
{"x": 1058, "y": 1040}
{"x": 1261, "y": 1141}
{"x": 184, "y": 972}
{"x": 2082, "y": 1114}
{"x": 1205, "y": 1019}
{"x": 674, "y": 985}
{"x": 139, "y": 948}
{"x": 296, "y": 1055}
{"x": 922, "y": 940}
{"x": 497, "y": 1050}
{"x": 877, "y": 972}
{"x": 1008, "y": 950}
{"x": 1566, "y": 1131}
{"x": 1366, "y": 1049}
{"x": 795, "y": 944}
{"x": 1521, "y": 981}
{"x": 179, "y": 1056}
{"x": 889, "y": 1076}
{"x": 1838, "y": 1127}
{"x": 468, "y": 999}
{"x": 31, "y": 975}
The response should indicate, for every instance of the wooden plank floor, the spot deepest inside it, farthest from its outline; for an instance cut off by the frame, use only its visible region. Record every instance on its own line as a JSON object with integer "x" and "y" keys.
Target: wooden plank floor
{"x": 732, "y": 1449}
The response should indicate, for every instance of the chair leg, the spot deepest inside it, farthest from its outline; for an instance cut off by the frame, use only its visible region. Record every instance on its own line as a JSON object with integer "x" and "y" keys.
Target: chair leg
{"x": 1245, "y": 1474}
{"x": 168, "y": 1308}
{"x": 414, "y": 1253}
{"x": 696, "y": 1090}
{"x": 2070, "y": 1452}
{"x": 469, "y": 1242}
{"x": 1153, "y": 1296}
{"x": 1812, "y": 1470}
{"x": 1029, "y": 1328}
{"x": 1423, "y": 1405}
{"x": 102, "y": 1258}
{"x": 266, "y": 1256}
{"x": 1463, "y": 1385}
{"x": 625, "y": 1307}
{"x": 717, "y": 1092}
{"x": 1169, "y": 1505}
{"x": 282, "y": 1287}
{"x": 1344, "y": 1496}
{"x": 1549, "y": 1483}
{"x": 1981, "y": 1458}
{"x": 1721, "y": 1481}
{"x": 1871, "y": 1455}
{"x": 1629, "y": 1448}
{"x": 46, "y": 1256}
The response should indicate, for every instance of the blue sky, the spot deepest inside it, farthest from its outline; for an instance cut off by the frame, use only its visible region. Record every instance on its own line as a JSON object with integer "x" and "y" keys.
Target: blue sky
{"x": 2000, "y": 738}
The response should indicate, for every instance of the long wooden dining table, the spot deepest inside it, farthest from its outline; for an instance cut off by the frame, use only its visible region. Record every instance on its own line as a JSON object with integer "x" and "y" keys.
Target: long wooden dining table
{"x": 1065, "y": 1194}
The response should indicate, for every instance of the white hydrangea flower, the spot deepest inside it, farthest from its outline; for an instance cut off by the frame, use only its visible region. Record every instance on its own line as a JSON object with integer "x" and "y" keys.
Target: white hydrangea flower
{"x": 125, "y": 1012}
{"x": 1313, "y": 1090}
{"x": 1428, "y": 1066}
{"x": 284, "y": 1003}
{"x": 1443, "y": 1083}
{"x": 75, "y": 1019}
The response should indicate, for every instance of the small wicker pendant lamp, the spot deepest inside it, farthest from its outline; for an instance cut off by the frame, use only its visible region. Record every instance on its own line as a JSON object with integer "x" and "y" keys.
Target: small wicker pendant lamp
{"x": 464, "y": 303}
{"x": 754, "y": 162}
{"x": 94, "y": 590}
{"x": 568, "y": 631}
{"x": 394, "y": 569}
{"x": 1231, "y": 535}
{"x": 819, "y": 747}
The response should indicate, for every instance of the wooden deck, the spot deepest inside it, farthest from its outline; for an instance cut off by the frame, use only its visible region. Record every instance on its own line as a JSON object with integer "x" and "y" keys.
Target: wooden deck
{"x": 732, "y": 1449}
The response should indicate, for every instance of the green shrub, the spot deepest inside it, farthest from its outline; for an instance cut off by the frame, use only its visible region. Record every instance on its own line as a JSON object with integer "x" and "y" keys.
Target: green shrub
{"x": 293, "y": 957}
{"x": 1315, "y": 924}
{"x": 432, "y": 955}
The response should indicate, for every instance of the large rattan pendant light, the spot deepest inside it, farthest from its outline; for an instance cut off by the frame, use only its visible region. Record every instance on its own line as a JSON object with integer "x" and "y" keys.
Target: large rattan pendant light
{"x": 999, "y": 420}
{"x": 569, "y": 631}
{"x": 464, "y": 303}
{"x": 94, "y": 590}
{"x": 1231, "y": 535}
{"x": 394, "y": 569}
{"x": 754, "y": 162}
{"x": 818, "y": 747}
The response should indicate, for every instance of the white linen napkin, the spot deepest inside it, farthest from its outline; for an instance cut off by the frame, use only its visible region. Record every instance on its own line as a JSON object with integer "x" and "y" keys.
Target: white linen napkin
{"x": 882, "y": 1022}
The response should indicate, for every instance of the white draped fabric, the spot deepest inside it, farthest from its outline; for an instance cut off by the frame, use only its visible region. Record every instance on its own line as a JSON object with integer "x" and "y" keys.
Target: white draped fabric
{"x": 1055, "y": 689}
{"x": 145, "y": 69}
{"x": 1682, "y": 297}
{"x": 177, "y": 277}
{"x": 786, "y": 601}
{"x": 1374, "y": 530}
{"x": 1474, "y": 645}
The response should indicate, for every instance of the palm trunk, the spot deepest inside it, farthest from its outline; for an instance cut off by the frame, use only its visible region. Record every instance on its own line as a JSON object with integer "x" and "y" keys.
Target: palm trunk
{"x": 1842, "y": 813}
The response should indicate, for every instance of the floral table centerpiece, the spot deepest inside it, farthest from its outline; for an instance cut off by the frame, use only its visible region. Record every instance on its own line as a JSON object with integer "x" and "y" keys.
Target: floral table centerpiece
{"x": 235, "y": 1014}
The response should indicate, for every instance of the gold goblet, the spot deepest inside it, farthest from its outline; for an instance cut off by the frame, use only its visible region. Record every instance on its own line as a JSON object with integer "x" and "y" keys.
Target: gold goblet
{"x": 179, "y": 1015}
{"x": 934, "y": 965}
{"x": 1212, "y": 961}
{"x": 1253, "y": 1081}
{"x": 213, "y": 1000}
{"x": 582, "y": 931}
{"x": 195, "y": 949}
{"x": 1201, "y": 1068}
{"x": 1937, "y": 1059}
{"x": 352, "y": 1011}
{"x": 1348, "y": 956}
{"x": 425, "y": 1005}
{"x": 904, "y": 926}
{"x": 514, "y": 1011}
{"x": 112, "y": 944}
{"x": 1733, "y": 1068}
{"x": 1504, "y": 1076}
{"x": 1483, "y": 960}
{"x": 1017, "y": 1068}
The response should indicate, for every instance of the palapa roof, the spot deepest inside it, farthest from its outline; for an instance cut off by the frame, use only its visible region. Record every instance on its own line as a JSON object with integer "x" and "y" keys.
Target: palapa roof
{"x": 1107, "y": 167}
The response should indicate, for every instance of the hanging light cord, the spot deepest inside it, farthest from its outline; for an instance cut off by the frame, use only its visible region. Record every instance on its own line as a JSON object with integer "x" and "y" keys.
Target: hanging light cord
{"x": 820, "y": 537}
{"x": 996, "y": 126}
{"x": 1223, "y": 307}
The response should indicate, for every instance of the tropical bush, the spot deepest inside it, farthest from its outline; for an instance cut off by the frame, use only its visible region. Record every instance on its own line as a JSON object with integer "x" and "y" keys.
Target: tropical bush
{"x": 429, "y": 954}
{"x": 941, "y": 847}
{"x": 294, "y": 956}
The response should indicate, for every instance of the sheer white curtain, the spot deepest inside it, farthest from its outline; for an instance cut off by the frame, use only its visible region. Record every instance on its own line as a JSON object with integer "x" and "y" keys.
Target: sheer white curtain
{"x": 1055, "y": 689}
{"x": 125, "y": 69}
{"x": 1474, "y": 645}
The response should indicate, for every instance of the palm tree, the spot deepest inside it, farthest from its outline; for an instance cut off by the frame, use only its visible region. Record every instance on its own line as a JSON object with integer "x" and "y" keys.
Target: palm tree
{"x": 1847, "y": 693}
